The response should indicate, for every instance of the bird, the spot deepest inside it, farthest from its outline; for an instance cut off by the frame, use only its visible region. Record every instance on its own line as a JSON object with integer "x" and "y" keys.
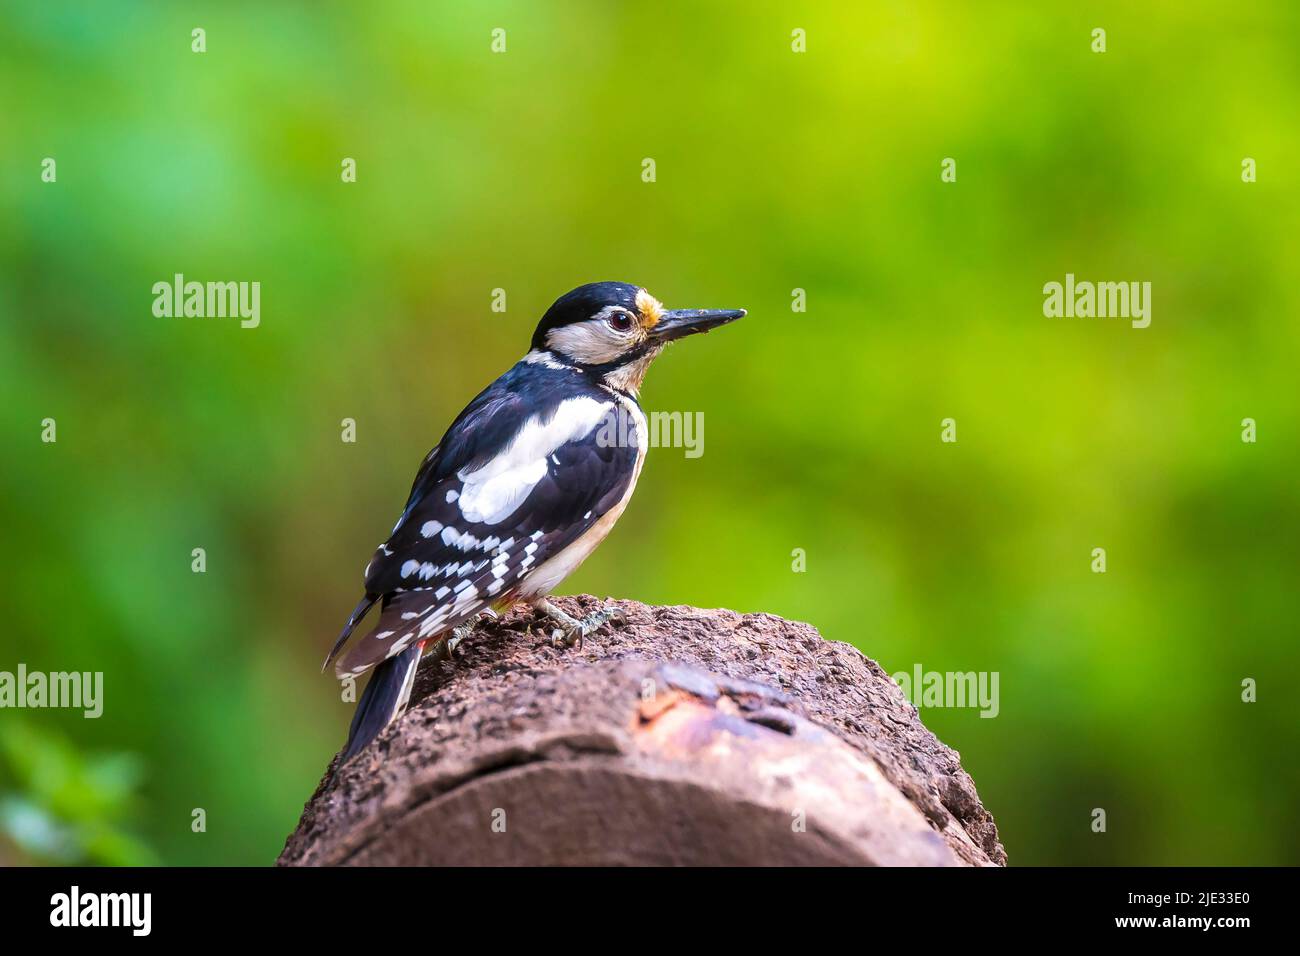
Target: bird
{"x": 528, "y": 479}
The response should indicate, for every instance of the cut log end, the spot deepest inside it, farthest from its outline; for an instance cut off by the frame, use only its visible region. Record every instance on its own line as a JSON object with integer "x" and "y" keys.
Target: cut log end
{"x": 682, "y": 736}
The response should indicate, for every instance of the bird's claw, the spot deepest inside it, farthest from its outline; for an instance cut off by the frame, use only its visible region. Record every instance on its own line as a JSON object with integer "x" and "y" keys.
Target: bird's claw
{"x": 574, "y": 634}
{"x": 458, "y": 634}
{"x": 569, "y": 636}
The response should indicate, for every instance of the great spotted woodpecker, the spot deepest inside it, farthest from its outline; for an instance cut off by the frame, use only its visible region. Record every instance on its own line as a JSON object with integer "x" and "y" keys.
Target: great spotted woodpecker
{"x": 523, "y": 486}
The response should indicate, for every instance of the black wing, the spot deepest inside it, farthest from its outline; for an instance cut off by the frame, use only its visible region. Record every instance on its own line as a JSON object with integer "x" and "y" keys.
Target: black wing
{"x": 527, "y": 468}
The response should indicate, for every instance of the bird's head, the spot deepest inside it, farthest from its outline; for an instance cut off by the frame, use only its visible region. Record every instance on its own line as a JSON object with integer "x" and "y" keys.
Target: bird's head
{"x": 615, "y": 330}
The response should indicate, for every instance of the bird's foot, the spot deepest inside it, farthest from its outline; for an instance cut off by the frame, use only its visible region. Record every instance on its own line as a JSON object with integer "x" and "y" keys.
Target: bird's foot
{"x": 573, "y": 631}
{"x": 458, "y": 634}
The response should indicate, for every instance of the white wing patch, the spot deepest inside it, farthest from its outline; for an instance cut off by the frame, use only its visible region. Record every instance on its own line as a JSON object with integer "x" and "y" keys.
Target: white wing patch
{"x": 493, "y": 492}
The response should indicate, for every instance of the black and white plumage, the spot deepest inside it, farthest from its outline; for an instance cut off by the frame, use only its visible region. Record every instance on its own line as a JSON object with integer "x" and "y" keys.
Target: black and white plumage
{"x": 526, "y": 482}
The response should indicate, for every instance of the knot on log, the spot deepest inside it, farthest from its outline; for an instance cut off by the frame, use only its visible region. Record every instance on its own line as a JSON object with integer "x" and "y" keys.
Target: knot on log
{"x": 683, "y": 736}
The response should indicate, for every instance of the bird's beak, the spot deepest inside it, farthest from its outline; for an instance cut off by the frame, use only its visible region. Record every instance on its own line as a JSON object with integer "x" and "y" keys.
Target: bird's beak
{"x": 678, "y": 322}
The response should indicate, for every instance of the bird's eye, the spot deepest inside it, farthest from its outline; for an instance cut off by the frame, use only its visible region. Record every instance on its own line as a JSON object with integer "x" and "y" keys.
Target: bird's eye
{"x": 620, "y": 321}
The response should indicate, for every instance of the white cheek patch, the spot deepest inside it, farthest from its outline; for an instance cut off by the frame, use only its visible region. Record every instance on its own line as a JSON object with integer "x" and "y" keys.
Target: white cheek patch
{"x": 591, "y": 342}
{"x": 493, "y": 492}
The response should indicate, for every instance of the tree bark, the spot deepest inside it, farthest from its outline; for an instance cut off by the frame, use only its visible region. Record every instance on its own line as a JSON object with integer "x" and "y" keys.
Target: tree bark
{"x": 683, "y": 736}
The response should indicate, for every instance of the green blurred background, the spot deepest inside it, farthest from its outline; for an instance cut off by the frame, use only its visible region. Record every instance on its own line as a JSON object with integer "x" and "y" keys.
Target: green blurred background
{"x": 775, "y": 171}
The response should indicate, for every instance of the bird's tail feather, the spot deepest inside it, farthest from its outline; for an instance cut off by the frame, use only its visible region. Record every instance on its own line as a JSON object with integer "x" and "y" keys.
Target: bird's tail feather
{"x": 383, "y": 700}
{"x": 365, "y": 604}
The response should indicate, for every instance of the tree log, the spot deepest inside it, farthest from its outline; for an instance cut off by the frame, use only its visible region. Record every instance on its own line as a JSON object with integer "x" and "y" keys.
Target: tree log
{"x": 682, "y": 736}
